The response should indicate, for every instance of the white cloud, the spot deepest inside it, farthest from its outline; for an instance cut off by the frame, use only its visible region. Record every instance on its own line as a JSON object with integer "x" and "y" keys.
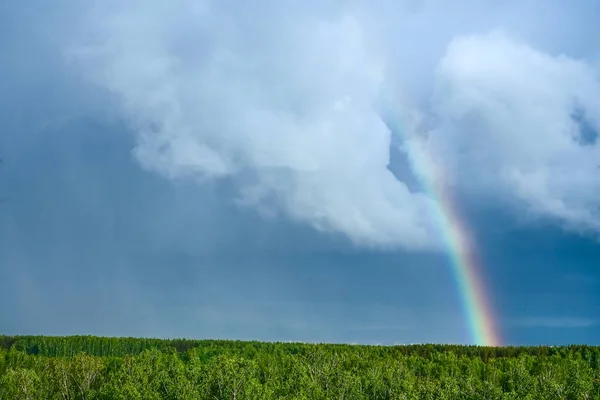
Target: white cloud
{"x": 507, "y": 127}
{"x": 280, "y": 98}
{"x": 286, "y": 93}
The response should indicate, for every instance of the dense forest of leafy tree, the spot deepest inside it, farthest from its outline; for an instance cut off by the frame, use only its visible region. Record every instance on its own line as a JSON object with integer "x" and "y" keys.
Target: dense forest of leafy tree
{"x": 86, "y": 368}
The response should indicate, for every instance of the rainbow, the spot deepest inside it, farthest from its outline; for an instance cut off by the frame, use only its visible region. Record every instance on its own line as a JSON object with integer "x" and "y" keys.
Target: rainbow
{"x": 456, "y": 239}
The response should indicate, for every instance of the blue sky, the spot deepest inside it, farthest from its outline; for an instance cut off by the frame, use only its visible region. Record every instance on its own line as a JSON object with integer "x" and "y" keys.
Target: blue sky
{"x": 215, "y": 170}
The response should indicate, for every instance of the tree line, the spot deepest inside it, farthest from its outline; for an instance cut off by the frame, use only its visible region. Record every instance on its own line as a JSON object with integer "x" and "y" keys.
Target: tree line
{"x": 86, "y": 368}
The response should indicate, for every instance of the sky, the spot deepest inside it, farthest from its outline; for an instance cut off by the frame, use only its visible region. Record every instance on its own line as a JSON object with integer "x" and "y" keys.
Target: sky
{"x": 248, "y": 170}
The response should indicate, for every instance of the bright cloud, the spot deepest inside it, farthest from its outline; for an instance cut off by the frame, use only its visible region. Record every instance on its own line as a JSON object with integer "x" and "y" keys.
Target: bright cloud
{"x": 284, "y": 105}
{"x": 527, "y": 120}
{"x": 283, "y": 99}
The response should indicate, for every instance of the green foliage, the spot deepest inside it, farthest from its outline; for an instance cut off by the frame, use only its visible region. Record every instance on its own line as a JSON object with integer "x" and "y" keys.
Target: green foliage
{"x": 93, "y": 368}
{"x": 20, "y": 383}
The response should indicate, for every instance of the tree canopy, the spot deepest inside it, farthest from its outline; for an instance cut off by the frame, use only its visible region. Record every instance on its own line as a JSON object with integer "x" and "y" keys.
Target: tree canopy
{"x": 86, "y": 368}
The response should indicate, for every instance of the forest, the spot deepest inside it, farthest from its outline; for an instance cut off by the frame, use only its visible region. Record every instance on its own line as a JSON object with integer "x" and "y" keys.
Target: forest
{"x": 87, "y": 367}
